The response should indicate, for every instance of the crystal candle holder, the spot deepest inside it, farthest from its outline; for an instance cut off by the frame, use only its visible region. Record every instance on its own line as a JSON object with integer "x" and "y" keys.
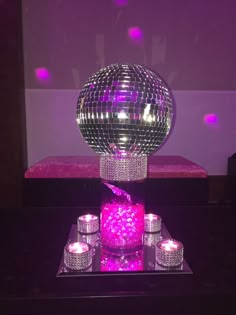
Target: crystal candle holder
{"x": 88, "y": 224}
{"x": 78, "y": 256}
{"x": 152, "y": 223}
{"x": 169, "y": 253}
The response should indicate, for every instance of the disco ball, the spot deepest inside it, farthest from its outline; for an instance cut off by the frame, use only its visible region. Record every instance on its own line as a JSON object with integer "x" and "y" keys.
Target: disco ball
{"x": 125, "y": 111}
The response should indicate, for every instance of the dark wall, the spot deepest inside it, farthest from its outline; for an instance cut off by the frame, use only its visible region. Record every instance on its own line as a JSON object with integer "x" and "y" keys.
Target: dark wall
{"x": 12, "y": 113}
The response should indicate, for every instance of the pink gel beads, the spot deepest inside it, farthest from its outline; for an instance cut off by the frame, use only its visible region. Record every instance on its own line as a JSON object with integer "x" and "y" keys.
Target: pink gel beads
{"x": 122, "y": 226}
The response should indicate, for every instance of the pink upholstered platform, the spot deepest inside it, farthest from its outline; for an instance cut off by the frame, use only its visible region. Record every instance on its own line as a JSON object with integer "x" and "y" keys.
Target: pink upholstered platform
{"x": 88, "y": 167}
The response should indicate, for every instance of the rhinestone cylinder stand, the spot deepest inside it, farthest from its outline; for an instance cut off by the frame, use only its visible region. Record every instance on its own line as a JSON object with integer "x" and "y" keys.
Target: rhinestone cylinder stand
{"x": 78, "y": 256}
{"x": 169, "y": 253}
{"x": 123, "y": 168}
{"x": 88, "y": 224}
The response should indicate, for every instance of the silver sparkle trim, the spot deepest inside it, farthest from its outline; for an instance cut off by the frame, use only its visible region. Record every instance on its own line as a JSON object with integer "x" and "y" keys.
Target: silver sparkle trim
{"x": 129, "y": 168}
{"x": 78, "y": 261}
{"x": 88, "y": 227}
{"x": 170, "y": 258}
{"x": 152, "y": 226}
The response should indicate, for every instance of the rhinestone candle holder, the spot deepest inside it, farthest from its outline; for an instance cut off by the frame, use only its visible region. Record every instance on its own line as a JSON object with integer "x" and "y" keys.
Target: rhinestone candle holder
{"x": 88, "y": 224}
{"x": 169, "y": 253}
{"x": 78, "y": 256}
{"x": 152, "y": 223}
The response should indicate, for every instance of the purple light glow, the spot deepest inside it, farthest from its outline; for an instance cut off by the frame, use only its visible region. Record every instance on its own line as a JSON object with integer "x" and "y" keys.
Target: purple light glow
{"x": 42, "y": 74}
{"x": 111, "y": 263}
{"x": 211, "y": 119}
{"x": 135, "y": 34}
{"x": 122, "y": 225}
{"x": 121, "y": 3}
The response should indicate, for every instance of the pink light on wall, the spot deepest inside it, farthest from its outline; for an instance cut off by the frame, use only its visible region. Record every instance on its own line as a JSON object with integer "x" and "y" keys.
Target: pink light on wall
{"x": 211, "y": 119}
{"x": 121, "y": 3}
{"x": 135, "y": 35}
{"x": 122, "y": 226}
{"x": 42, "y": 74}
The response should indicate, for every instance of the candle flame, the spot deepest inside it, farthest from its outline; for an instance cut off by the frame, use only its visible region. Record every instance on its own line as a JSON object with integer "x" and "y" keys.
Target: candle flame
{"x": 169, "y": 245}
{"x": 78, "y": 248}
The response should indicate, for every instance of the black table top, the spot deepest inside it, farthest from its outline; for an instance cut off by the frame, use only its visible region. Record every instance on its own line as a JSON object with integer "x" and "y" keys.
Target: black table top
{"x": 32, "y": 241}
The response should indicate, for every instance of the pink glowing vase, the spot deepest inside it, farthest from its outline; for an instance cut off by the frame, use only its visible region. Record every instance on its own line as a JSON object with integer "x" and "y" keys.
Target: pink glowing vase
{"x": 122, "y": 222}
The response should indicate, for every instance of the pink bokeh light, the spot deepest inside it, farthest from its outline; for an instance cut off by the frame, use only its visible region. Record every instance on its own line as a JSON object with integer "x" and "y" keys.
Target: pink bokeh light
{"x": 111, "y": 263}
{"x": 135, "y": 34}
{"x": 42, "y": 74}
{"x": 211, "y": 119}
{"x": 122, "y": 226}
{"x": 121, "y": 3}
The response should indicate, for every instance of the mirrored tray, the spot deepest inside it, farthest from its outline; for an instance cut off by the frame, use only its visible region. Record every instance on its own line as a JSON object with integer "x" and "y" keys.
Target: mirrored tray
{"x": 105, "y": 264}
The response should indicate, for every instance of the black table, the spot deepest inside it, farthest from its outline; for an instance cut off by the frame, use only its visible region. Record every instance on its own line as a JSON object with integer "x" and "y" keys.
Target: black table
{"x": 32, "y": 240}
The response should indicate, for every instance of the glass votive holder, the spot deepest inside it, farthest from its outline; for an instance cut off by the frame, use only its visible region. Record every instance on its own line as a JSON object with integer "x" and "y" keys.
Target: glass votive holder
{"x": 88, "y": 223}
{"x": 152, "y": 223}
{"x": 169, "y": 253}
{"x": 78, "y": 256}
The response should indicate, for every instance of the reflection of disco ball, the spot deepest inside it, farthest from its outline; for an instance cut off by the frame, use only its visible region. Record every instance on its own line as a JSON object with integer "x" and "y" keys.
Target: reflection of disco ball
{"x": 125, "y": 110}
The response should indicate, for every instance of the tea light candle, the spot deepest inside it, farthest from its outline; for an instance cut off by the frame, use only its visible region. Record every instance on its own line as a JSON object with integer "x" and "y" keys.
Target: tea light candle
{"x": 152, "y": 223}
{"x": 78, "y": 255}
{"x": 169, "y": 253}
{"x": 88, "y": 223}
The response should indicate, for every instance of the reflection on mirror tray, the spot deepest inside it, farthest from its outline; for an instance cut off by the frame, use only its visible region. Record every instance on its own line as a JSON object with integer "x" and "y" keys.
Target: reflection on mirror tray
{"x": 105, "y": 263}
